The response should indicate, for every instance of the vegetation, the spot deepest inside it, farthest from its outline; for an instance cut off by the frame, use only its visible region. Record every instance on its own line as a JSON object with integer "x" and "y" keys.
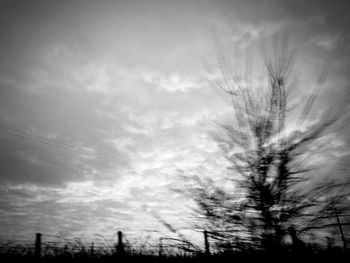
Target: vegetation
{"x": 278, "y": 200}
{"x": 78, "y": 252}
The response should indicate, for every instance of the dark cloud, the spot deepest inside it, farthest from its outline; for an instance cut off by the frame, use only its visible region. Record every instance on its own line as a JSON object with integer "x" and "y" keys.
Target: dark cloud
{"x": 334, "y": 12}
{"x": 24, "y": 211}
{"x": 52, "y": 136}
{"x": 22, "y": 165}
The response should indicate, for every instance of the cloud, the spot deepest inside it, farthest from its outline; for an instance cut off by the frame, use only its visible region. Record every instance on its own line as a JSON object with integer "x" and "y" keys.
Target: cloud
{"x": 174, "y": 82}
{"x": 327, "y": 42}
{"x": 243, "y": 34}
{"x": 122, "y": 143}
{"x": 107, "y": 106}
{"x": 26, "y": 163}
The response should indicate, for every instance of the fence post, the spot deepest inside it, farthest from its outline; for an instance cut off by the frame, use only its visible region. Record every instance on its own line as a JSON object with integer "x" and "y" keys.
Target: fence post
{"x": 296, "y": 243}
{"x": 65, "y": 250}
{"x": 92, "y": 249}
{"x": 206, "y": 242}
{"x": 329, "y": 243}
{"x": 340, "y": 229}
{"x": 37, "y": 251}
{"x": 120, "y": 246}
{"x": 160, "y": 247}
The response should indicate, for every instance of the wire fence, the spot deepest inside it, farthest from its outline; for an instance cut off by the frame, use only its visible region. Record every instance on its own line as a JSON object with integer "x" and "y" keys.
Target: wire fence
{"x": 50, "y": 245}
{"x": 53, "y": 245}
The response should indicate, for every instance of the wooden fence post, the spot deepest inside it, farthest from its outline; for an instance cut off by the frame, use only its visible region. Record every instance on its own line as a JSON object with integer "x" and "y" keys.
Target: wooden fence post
{"x": 120, "y": 246}
{"x": 206, "y": 242}
{"x": 92, "y": 251}
{"x": 160, "y": 247}
{"x": 65, "y": 250}
{"x": 37, "y": 251}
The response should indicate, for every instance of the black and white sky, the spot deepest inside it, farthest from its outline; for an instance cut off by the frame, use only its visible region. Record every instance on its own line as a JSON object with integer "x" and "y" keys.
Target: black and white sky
{"x": 104, "y": 105}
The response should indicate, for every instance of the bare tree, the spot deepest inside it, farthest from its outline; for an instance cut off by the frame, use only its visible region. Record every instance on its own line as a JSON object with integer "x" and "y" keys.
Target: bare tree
{"x": 278, "y": 195}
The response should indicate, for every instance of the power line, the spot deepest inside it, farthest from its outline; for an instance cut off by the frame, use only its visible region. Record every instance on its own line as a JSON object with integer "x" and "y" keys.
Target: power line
{"x": 54, "y": 143}
{"x": 49, "y": 152}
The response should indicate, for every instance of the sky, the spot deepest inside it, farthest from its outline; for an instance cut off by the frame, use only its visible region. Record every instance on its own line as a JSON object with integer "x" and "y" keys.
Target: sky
{"x": 106, "y": 105}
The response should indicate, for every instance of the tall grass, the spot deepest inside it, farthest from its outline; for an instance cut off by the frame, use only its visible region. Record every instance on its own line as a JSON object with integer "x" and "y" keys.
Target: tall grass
{"x": 77, "y": 250}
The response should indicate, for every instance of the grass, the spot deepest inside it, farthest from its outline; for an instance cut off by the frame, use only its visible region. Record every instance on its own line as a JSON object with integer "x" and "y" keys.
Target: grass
{"x": 79, "y": 252}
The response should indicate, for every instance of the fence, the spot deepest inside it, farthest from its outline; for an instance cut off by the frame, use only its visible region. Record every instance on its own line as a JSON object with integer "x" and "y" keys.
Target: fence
{"x": 76, "y": 246}
{"x": 122, "y": 246}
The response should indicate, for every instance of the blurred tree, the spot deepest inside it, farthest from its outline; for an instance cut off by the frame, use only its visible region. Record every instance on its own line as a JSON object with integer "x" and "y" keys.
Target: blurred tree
{"x": 278, "y": 195}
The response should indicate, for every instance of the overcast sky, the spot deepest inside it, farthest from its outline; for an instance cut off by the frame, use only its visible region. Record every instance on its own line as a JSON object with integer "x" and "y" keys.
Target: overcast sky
{"x": 104, "y": 105}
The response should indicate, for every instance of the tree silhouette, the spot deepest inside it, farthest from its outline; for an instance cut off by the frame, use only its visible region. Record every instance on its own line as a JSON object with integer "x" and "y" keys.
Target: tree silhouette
{"x": 278, "y": 196}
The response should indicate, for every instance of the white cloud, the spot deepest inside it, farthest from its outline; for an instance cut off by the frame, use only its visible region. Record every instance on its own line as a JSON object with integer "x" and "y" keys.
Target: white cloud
{"x": 326, "y": 41}
{"x": 173, "y": 82}
{"x": 122, "y": 143}
{"x": 96, "y": 78}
